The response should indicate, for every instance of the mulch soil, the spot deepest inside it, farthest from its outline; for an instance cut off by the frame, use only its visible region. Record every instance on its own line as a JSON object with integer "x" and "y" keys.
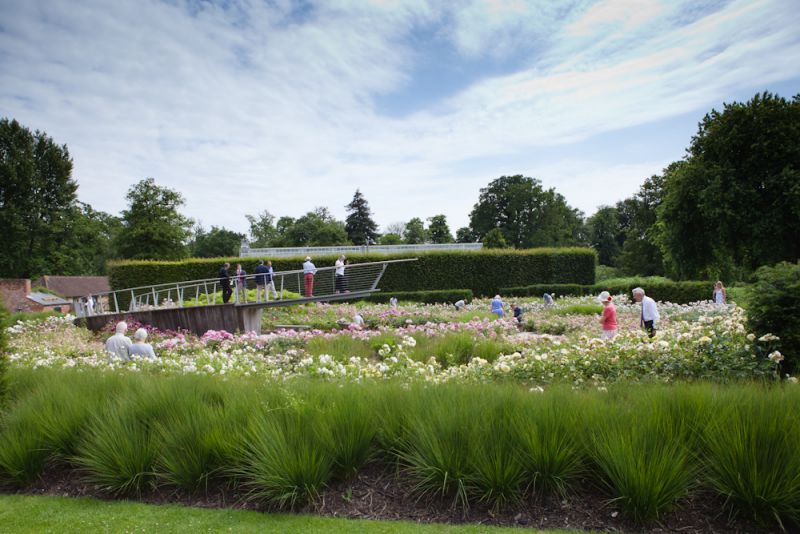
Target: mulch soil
{"x": 376, "y": 493}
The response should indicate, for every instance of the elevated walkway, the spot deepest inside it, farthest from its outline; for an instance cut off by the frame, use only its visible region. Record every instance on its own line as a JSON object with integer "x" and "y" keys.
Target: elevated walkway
{"x": 195, "y": 305}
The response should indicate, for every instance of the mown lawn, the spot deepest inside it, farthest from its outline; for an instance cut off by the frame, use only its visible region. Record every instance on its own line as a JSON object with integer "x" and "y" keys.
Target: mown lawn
{"x": 19, "y": 513}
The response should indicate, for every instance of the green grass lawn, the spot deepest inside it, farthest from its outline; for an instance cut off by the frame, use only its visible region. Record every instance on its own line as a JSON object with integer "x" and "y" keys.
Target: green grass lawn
{"x": 20, "y": 513}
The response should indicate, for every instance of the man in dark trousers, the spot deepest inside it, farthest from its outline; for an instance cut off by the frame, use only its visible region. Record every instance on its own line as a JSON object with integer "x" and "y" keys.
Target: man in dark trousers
{"x": 225, "y": 282}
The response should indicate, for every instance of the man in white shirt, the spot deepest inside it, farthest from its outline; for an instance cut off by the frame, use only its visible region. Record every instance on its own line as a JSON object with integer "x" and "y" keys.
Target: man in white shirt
{"x": 339, "y": 276}
{"x": 117, "y": 345}
{"x": 649, "y": 315}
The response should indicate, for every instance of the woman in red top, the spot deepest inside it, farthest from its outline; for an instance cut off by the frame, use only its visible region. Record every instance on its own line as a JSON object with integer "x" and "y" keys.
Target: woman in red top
{"x": 609, "y": 316}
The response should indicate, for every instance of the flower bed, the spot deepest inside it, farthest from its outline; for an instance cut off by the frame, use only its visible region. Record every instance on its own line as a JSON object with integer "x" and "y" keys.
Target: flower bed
{"x": 697, "y": 341}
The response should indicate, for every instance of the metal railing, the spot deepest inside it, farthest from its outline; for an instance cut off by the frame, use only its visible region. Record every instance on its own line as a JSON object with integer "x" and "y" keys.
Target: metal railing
{"x": 357, "y": 277}
{"x": 247, "y": 252}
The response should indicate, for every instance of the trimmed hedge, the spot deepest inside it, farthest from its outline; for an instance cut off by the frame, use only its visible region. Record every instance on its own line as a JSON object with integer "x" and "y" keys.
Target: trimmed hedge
{"x": 676, "y": 292}
{"x": 483, "y": 272}
{"x": 448, "y": 296}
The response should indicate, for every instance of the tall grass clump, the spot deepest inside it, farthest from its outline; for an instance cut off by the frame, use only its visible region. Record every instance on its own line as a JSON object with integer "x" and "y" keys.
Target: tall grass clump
{"x": 349, "y": 429}
{"x": 118, "y": 452}
{"x": 752, "y": 455}
{"x": 496, "y": 470}
{"x": 42, "y": 426}
{"x": 191, "y": 442}
{"x": 436, "y": 450}
{"x": 642, "y": 459}
{"x": 286, "y": 461}
{"x": 548, "y": 432}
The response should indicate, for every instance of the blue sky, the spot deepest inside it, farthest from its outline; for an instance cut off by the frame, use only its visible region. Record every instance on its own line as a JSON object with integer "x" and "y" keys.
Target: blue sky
{"x": 283, "y": 106}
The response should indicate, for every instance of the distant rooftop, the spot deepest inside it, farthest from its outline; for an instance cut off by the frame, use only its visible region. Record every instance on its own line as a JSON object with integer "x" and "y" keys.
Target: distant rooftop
{"x": 46, "y": 299}
{"x": 74, "y": 286}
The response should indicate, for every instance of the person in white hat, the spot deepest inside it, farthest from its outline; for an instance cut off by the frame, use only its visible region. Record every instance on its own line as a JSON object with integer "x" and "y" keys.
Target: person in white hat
{"x": 608, "y": 319}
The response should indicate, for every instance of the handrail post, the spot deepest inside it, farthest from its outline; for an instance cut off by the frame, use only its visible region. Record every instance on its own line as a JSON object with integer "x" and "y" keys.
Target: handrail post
{"x": 116, "y": 303}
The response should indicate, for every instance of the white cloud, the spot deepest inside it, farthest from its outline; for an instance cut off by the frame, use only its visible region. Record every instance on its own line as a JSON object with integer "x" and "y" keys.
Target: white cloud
{"x": 261, "y": 106}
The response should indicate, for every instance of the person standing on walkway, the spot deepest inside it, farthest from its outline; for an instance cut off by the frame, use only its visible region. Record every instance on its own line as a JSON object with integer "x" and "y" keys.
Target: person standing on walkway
{"x": 339, "y": 282}
{"x": 608, "y": 319}
{"x": 241, "y": 284}
{"x": 225, "y": 282}
{"x": 271, "y": 281}
{"x": 261, "y": 280}
{"x": 309, "y": 270}
{"x": 649, "y": 315}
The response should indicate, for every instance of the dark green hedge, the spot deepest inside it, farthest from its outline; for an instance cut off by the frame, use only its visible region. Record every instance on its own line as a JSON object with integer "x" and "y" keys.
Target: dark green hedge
{"x": 448, "y": 296}
{"x": 483, "y": 272}
{"x": 677, "y": 292}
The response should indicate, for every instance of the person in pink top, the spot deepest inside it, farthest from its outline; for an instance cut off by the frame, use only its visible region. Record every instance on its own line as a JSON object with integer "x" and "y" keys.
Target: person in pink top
{"x": 608, "y": 319}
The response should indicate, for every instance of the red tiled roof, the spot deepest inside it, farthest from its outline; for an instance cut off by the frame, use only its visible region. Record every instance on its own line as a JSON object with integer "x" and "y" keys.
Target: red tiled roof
{"x": 75, "y": 286}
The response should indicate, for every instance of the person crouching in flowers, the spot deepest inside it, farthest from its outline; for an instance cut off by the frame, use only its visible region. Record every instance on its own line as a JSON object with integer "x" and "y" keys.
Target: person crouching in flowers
{"x": 497, "y": 306}
{"x": 608, "y": 319}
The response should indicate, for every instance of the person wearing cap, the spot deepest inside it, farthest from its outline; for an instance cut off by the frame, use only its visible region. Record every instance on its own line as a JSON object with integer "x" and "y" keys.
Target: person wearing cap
{"x": 608, "y": 319}
{"x": 497, "y": 306}
{"x": 649, "y": 315}
{"x": 309, "y": 270}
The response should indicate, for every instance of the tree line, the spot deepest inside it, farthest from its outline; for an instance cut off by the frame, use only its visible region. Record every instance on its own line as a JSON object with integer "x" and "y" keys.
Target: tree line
{"x": 730, "y": 205}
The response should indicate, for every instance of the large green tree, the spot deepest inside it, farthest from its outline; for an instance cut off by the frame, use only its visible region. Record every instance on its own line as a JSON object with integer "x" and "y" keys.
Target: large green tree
{"x": 637, "y": 216}
{"x": 316, "y": 228}
{"x": 85, "y": 242}
{"x": 152, "y": 227}
{"x": 415, "y": 233}
{"x": 37, "y": 197}
{"x": 360, "y": 227}
{"x": 438, "y": 229}
{"x": 605, "y": 234}
{"x": 262, "y": 229}
{"x": 734, "y": 204}
{"x": 465, "y": 235}
{"x": 215, "y": 243}
{"x": 526, "y": 213}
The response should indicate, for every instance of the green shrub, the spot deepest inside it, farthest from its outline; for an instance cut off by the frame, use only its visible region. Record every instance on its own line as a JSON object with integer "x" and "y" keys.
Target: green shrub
{"x": 579, "y": 309}
{"x": 447, "y": 296}
{"x": 604, "y": 272}
{"x": 774, "y": 307}
{"x": 483, "y": 272}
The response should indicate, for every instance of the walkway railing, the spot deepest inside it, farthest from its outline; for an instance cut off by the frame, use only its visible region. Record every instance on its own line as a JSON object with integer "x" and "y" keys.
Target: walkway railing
{"x": 285, "y": 285}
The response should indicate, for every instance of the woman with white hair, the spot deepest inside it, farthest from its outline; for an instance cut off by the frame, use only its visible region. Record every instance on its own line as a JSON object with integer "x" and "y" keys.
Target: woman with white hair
{"x": 139, "y": 347}
{"x": 497, "y": 306}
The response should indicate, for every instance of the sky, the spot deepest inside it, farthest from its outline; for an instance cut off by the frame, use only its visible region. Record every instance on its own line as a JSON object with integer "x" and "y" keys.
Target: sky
{"x": 252, "y": 105}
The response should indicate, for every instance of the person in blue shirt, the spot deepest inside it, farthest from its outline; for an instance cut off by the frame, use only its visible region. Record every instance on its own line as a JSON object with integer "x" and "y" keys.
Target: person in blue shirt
{"x": 497, "y": 306}
{"x": 517, "y": 312}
